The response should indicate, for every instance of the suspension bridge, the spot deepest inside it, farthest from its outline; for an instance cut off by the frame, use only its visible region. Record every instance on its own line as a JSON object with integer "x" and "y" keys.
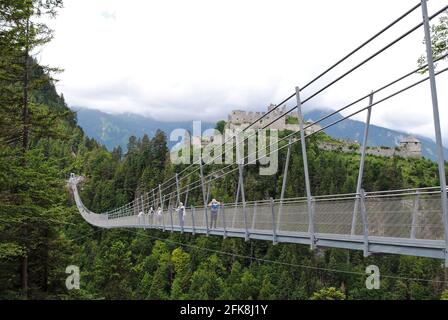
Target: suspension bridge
{"x": 407, "y": 222}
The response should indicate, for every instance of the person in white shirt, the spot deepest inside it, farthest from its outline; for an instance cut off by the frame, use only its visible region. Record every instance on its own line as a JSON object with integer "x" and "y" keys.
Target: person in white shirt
{"x": 141, "y": 218}
{"x": 181, "y": 214}
{"x": 160, "y": 216}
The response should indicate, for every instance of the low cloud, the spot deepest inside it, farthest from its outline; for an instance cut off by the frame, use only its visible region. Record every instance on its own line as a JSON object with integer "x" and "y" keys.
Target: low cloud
{"x": 203, "y": 59}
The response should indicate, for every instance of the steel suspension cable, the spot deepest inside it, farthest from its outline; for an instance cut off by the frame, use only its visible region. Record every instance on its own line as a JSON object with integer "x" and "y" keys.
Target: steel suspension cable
{"x": 390, "y": 25}
{"x": 332, "y": 124}
{"x": 350, "y": 104}
{"x": 338, "y": 78}
{"x": 404, "y": 35}
{"x": 332, "y": 82}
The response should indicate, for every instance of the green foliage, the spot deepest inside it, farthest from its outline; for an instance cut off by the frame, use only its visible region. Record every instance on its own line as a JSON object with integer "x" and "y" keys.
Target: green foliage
{"x": 439, "y": 41}
{"x": 292, "y": 120}
{"x": 10, "y": 250}
{"x": 328, "y": 294}
{"x": 206, "y": 282}
{"x": 444, "y": 295}
{"x": 220, "y": 126}
{"x": 161, "y": 270}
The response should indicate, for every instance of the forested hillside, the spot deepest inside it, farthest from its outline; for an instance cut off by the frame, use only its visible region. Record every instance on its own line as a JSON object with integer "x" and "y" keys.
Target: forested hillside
{"x": 40, "y": 221}
{"x": 201, "y": 267}
{"x": 42, "y": 232}
{"x": 115, "y": 129}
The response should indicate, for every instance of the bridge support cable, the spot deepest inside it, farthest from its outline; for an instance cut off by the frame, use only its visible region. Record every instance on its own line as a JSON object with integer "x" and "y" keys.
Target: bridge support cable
{"x": 243, "y": 200}
{"x": 153, "y": 214}
{"x": 130, "y": 209}
{"x": 356, "y": 112}
{"x": 361, "y": 164}
{"x": 254, "y": 216}
{"x": 326, "y": 71}
{"x": 362, "y": 98}
{"x": 357, "y": 101}
{"x": 170, "y": 210}
{"x": 351, "y": 53}
{"x": 161, "y": 207}
{"x": 204, "y": 194}
{"x": 240, "y": 162}
{"x": 179, "y": 213}
{"x": 154, "y": 199}
{"x": 285, "y": 177}
{"x": 209, "y": 190}
{"x": 126, "y": 210}
{"x": 404, "y": 35}
{"x": 305, "y": 169}
{"x": 146, "y": 214}
{"x": 345, "y": 107}
{"x": 143, "y": 210}
{"x": 235, "y": 211}
{"x": 137, "y": 205}
{"x": 224, "y": 226}
{"x": 365, "y": 225}
{"x": 340, "y": 120}
{"x": 274, "y": 225}
{"x": 151, "y": 204}
{"x": 436, "y": 118}
{"x": 415, "y": 214}
{"x": 377, "y": 102}
{"x": 193, "y": 225}
{"x": 177, "y": 191}
{"x": 185, "y": 205}
{"x": 186, "y": 196}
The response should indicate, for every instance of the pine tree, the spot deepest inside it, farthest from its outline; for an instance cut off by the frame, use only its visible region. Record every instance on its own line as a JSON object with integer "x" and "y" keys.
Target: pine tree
{"x": 23, "y": 117}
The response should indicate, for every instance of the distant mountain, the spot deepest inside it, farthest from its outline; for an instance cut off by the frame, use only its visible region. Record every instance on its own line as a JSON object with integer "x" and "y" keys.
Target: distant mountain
{"x": 378, "y": 136}
{"x": 113, "y": 130}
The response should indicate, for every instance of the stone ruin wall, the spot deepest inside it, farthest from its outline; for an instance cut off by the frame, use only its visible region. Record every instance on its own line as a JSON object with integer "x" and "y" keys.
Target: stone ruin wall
{"x": 239, "y": 119}
{"x": 374, "y": 151}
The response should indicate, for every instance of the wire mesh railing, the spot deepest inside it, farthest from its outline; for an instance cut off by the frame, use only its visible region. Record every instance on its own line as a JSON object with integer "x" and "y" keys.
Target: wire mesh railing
{"x": 407, "y": 214}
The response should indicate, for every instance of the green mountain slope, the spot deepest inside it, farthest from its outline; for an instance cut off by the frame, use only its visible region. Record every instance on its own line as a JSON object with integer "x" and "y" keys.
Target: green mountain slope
{"x": 112, "y": 130}
{"x": 378, "y": 136}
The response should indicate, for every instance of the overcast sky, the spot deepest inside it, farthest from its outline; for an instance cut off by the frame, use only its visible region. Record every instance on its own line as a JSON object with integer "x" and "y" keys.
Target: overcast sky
{"x": 199, "y": 59}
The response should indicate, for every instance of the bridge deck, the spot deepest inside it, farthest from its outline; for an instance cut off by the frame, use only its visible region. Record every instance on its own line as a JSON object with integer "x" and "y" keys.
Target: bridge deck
{"x": 407, "y": 222}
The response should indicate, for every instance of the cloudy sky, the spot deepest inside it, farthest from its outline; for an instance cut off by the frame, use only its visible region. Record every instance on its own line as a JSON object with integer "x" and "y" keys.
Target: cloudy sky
{"x": 199, "y": 59}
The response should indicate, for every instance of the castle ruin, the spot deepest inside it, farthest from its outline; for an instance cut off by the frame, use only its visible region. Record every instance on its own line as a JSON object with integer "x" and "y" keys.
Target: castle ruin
{"x": 240, "y": 119}
{"x": 409, "y": 147}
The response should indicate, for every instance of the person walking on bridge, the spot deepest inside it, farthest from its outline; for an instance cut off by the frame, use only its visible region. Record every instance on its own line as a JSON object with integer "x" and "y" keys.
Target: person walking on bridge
{"x": 150, "y": 214}
{"x": 181, "y": 214}
{"x": 141, "y": 218}
{"x": 159, "y": 217}
{"x": 214, "y": 208}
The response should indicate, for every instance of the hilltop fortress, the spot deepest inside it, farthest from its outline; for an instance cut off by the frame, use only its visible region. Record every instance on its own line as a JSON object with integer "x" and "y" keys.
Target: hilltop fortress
{"x": 240, "y": 119}
{"x": 409, "y": 147}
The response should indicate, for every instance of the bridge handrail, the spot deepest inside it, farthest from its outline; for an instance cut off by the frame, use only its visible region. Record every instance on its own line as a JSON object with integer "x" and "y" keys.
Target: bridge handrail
{"x": 130, "y": 210}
